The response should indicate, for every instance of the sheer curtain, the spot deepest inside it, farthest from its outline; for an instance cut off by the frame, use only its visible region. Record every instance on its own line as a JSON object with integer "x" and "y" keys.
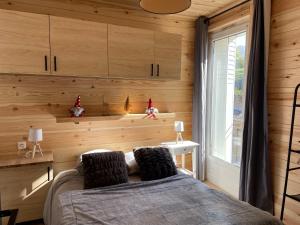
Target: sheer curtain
{"x": 255, "y": 176}
{"x": 199, "y": 92}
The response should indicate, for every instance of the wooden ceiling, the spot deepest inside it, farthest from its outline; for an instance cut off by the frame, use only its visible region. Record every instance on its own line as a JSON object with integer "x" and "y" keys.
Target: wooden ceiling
{"x": 198, "y": 7}
{"x": 208, "y": 7}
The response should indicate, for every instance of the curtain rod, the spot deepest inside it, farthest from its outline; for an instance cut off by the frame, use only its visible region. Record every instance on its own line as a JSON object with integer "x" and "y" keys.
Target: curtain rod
{"x": 227, "y": 10}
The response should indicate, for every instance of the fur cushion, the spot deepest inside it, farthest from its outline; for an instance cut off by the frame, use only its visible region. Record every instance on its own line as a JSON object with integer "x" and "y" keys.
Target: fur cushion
{"x": 132, "y": 166}
{"x": 79, "y": 166}
{"x": 104, "y": 169}
{"x": 155, "y": 163}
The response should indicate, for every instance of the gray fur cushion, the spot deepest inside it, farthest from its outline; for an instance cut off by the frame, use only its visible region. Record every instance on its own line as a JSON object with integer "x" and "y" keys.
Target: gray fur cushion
{"x": 155, "y": 163}
{"x": 104, "y": 169}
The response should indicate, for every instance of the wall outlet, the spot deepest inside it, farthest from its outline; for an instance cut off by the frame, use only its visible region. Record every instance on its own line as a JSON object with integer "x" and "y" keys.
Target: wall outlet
{"x": 21, "y": 145}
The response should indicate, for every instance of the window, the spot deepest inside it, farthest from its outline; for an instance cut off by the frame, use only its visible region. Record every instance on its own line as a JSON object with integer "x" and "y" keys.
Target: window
{"x": 227, "y": 91}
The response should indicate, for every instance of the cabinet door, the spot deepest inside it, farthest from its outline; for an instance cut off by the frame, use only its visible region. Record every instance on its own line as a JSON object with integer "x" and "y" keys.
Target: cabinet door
{"x": 167, "y": 56}
{"x": 78, "y": 48}
{"x": 24, "y": 43}
{"x": 25, "y": 188}
{"x": 130, "y": 52}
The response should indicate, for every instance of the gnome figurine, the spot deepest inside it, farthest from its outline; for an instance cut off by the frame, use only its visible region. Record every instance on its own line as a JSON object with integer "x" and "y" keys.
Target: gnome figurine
{"x": 151, "y": 111}
{"x": 77, "y": 110}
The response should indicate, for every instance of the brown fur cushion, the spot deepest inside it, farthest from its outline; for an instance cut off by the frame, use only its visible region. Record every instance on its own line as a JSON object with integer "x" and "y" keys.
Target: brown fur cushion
{"x": 155, "y": 163}
{"x": 104, "y": 169}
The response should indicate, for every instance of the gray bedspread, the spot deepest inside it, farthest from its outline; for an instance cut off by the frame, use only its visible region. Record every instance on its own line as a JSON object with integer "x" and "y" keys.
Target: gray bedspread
{"x": 177, "y": 200}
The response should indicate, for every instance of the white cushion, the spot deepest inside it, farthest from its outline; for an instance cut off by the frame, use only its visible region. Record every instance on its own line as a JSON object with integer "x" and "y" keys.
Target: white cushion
{"x": 131, "y": 163}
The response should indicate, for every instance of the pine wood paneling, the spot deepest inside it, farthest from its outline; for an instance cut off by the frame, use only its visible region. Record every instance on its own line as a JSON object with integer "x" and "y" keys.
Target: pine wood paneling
{"x": 37, "y": 101}
{"x": 235, "y": 16}
{"x": 284, "y": 75}
{"x": 114, "y": 8}
{"x": 24, "y": 188}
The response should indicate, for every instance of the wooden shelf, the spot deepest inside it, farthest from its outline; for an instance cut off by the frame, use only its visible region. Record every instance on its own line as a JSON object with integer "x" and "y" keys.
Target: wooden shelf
{"x": 14, "y": 160}
{"x": 110, "y": 117}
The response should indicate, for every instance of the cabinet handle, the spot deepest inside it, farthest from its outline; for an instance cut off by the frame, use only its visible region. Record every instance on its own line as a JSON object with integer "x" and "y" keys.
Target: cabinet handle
{"x": 152, "y": 69}
{"x": 55, "y": 67}
{"x": 157, "y": 71}
{"x": 46, "y": 63}
{"x": 48, "y": 171}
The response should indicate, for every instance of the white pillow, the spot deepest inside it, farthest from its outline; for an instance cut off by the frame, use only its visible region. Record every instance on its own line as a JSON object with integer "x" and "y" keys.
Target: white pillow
{"x": 131, "y": 163}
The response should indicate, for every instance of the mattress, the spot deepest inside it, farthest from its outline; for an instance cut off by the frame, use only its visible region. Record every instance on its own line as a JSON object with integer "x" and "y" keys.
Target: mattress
{"x": 176, "y": 200}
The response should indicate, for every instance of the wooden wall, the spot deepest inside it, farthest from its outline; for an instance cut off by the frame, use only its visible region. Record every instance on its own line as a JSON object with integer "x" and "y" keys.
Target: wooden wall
{"x": 37, "y": 100}
{"x": 284, "y": 75}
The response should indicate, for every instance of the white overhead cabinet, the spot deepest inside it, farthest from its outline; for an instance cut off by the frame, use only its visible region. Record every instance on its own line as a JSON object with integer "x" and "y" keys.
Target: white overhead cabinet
{"x": 49, "y": 45}
{"x": 78, "y": 48}
{"x": 24, "y": 43}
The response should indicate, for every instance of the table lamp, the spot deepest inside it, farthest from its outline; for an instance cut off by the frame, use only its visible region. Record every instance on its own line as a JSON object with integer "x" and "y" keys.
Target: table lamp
{"x": 179, "y": 127}
{"x": 35, "y": 136}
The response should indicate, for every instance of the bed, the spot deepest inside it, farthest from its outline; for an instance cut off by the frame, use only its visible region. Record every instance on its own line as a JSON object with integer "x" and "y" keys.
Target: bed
{"x": 176, "y": 200}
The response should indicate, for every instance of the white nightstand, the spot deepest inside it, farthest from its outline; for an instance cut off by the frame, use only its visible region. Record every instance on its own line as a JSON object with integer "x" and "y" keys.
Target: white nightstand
{"x": 183, "y": 148}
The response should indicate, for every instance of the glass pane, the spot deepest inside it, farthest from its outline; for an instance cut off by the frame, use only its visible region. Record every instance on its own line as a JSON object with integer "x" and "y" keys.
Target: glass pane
{"x": 239, "y": 95}
{"x": 228, "y": 97}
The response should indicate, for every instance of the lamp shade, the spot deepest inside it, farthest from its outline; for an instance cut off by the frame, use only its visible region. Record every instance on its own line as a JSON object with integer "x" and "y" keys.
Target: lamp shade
{"x": 179, "y": 126}
{"x": 35, "y": 135}
{"x": 165, "y": 6}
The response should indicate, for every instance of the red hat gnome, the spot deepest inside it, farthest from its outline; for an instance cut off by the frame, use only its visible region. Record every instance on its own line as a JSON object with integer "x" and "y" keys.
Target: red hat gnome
{"x": 151, "y": 111}
{"x": 77, "y": 110}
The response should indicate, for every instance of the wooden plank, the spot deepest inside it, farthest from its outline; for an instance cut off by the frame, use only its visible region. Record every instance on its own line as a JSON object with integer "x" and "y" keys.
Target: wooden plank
{"x": 111, "y": 117}
{"x": 16, "y": 160}
{"x": 25, "y": 188}
{"x": 282, "y": 79}
{"x": 285, "y": 22}
{"x": 284, "y": 7}
{"x": 114, "y": 9}
{"x": 37, "y": 100}
{"x": 236, "y": 16}
{"x": 285, "y": 41}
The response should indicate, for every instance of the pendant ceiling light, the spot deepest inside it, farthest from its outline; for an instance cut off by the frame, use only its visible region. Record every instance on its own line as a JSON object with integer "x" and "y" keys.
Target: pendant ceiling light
{"x": 165, "y": 6}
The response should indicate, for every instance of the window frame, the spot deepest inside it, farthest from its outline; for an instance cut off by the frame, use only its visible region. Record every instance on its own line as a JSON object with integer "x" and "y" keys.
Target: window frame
{"x": 212, "y": 37}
